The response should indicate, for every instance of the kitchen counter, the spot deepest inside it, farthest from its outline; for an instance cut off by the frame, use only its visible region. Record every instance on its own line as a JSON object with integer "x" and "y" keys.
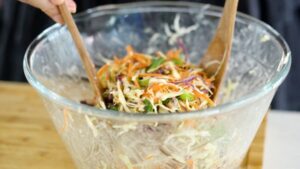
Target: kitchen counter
{"x": 28, "y": 139}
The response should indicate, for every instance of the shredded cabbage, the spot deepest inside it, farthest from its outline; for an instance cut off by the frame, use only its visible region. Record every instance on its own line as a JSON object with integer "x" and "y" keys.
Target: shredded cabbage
{"x": 138, "y": 77}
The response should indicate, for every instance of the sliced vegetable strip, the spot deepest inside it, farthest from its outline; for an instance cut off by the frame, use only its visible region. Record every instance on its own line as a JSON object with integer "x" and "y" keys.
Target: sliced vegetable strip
{"x": 157, "y": 83}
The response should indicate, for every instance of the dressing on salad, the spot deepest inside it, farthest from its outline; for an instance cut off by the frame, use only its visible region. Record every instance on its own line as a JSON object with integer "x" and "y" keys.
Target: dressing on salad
{"x": 156, "y": 83}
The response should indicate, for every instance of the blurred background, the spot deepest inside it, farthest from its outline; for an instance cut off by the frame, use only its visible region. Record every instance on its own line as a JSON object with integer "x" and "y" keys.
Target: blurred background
{"x": 20, "y": 24}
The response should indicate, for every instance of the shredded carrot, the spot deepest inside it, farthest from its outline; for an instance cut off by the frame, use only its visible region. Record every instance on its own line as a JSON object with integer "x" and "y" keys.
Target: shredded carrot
{"x": 202, "y": 74}
{"x": 136, "y": 83}
{"x": 182, "y": 108}
{"x": 184, "y": 74}
{"x": 155, "y": 87}
{"x": 102, "y": 70}
{"x": 141, "y": 58}
{"x": 171, "y": 87}
{"x": 156, "y": 99}
{"x": 196, "y": 105}
{"x": 126, "y": 59}
{"x": 164, "y": 83}
{"x": 145, "y": 93}
{"x": 156, "y": 75}
{"x": 139, "y": 66}
{"x": 129, "y": 70}
{"x": 208, "y": 80}
{"x": 173, "y": 54}
{"x": 167, "y": 80}
{"x": 65, "y": 125}
{"x": 117, "y": 61}
{"x": 189, "y": 123}
{"x": 129, "y": 50}
{"x": 190, "y": 164}
{"x": 107, "y": 75}
{"x": 163, "y": 87}
{"x": 200, "y": 95}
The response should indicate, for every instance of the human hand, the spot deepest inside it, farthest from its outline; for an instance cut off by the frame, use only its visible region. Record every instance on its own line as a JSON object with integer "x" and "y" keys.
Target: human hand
{"x": 50, "y": 7}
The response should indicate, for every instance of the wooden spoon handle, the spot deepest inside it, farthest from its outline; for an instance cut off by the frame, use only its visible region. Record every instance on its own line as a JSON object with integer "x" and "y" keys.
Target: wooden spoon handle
{"x": 216, "y": 57}
{"x": 226, "y": 25}
{"x": 225, "y": 32}
{"x": 83, "y": 53}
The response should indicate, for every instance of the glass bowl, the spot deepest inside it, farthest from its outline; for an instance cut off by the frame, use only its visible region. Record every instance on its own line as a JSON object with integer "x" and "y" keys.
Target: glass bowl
{"x": 213, "y": 138}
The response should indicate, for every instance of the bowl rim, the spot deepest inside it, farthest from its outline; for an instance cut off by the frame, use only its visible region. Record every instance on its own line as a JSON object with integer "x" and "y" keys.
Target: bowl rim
{"x": 116, "y": 115}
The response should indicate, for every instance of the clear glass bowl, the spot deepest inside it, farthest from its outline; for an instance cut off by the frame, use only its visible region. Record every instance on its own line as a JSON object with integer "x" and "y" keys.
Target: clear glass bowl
{"x": 214, "y": 138}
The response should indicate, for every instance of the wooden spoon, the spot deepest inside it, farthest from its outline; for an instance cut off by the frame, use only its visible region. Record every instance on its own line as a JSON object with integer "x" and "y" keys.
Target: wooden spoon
{"x": 89, "y": 66}
{"x": 216, "y": 58}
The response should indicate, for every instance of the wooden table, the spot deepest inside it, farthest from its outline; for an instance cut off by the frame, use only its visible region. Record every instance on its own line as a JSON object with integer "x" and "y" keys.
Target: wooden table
{"x": 28, "y": 139}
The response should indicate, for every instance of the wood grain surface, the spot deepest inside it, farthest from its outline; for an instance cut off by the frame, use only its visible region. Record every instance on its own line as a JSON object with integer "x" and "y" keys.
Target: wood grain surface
{"x": 28, "y": 139}
{"x": 254, "y": 158}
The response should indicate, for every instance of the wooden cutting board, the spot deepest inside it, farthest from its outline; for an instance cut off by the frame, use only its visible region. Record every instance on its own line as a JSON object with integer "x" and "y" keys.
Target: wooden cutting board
{"x": 254, "y": 157}
{"x": 28, "y": 139}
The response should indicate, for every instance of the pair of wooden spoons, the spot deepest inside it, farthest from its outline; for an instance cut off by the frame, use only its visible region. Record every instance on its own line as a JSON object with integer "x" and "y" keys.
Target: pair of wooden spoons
{"x": 214, "y": 61}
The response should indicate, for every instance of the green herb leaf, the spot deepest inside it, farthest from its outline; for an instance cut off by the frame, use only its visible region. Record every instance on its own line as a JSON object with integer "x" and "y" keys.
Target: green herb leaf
{"x": 178, "y": 61}
{"x": 155, "y": 64}
{"x": 187, "y": 96}
{"x": 144, "y": 82}
{"x": 148, "y": 106}
{"x": 113, "y": 107}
